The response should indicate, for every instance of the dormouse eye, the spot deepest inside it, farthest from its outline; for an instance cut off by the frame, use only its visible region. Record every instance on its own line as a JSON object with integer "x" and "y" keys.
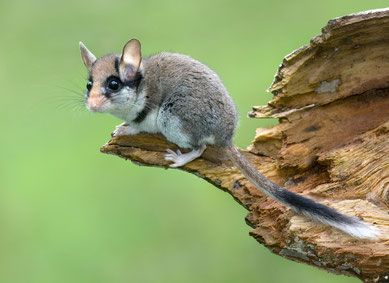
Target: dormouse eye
{"x": 113, "y": 84}
{"x": 89, "y": 85}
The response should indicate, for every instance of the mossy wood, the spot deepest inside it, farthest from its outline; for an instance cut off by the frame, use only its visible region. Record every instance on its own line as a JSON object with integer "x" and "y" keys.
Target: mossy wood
{"x": 332, "y": 144}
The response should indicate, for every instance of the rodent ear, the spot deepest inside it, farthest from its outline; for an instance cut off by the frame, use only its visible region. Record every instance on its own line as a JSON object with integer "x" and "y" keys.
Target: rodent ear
{"x": 130, "y": 60}
{"x": 87, "y": 57}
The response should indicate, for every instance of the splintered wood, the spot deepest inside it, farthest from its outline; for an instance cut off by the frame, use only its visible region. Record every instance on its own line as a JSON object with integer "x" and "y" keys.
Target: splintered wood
{"x": 331, "y": 144}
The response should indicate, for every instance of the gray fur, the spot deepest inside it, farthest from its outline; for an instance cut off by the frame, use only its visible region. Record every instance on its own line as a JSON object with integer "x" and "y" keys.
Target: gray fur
{"x": 186, "y": 101}
{"x": 180, "y": 82}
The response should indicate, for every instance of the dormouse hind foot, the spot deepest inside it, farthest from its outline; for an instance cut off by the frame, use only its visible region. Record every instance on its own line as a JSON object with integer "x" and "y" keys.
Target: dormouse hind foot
{"x": 124, "y": 129}
{"x": 180, "y": 159}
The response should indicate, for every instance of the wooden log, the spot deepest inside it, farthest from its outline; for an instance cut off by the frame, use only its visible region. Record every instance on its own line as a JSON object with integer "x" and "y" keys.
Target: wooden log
{"x": 332, "y": 101}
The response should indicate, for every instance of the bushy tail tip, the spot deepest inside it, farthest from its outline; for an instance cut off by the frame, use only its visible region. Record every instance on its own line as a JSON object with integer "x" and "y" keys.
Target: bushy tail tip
{"x": 360, "y": 230}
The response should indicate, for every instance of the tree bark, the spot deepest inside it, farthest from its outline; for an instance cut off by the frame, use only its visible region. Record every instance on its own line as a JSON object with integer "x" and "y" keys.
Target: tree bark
{"x": 332, "y": 101}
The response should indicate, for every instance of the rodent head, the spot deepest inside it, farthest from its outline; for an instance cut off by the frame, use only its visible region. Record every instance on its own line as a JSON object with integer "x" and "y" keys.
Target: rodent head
{"x": 113, "y": 78}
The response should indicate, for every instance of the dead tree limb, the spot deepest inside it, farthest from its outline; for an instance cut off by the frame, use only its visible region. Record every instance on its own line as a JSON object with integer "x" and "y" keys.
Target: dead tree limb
{"x": 332, "y": 101}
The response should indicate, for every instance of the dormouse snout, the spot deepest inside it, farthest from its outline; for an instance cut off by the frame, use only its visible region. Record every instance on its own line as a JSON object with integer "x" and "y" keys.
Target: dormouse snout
{"x": 96, "y": 101}
{"x": 113, "y": 79}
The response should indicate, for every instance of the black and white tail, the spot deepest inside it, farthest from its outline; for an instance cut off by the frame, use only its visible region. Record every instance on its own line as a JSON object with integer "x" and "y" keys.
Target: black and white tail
{"x": 302, "y": 205}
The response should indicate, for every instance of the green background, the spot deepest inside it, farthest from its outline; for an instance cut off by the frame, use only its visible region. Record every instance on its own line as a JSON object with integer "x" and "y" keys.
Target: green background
{"x": 71, "y": 214}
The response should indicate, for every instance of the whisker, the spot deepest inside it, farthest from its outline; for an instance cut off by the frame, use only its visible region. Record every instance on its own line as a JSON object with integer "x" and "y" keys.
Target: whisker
{"x": 73, "y": 100}
{"x": 72, "y": 91}
{"x": 68, "y": 104}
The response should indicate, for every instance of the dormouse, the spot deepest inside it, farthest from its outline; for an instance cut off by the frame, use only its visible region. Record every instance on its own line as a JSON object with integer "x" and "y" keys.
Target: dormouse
{"x": 186, "y": 102}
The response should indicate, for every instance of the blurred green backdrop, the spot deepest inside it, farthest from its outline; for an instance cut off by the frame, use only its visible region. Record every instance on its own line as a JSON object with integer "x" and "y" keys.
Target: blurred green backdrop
{"x": 71, "y": 214}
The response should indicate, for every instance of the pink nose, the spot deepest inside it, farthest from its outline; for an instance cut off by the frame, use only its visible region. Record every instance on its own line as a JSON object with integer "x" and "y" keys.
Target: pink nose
{"x": 95, "y": 101}
{"x": 93, "y": 106}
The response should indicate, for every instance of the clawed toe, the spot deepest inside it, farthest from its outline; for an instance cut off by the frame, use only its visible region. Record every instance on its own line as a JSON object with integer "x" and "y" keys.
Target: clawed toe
{"x": 168, "y": 157}
{"x": 124, "y": 130}
{"x": 171, "y": 152}
{"x": 180, "y": 159}
{"x": 174, "y": 157}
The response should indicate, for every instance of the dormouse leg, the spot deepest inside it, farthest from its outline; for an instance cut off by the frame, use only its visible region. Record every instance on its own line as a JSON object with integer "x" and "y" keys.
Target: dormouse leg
{"x": 181, "y": 159}
{"x": 124, "y": 129}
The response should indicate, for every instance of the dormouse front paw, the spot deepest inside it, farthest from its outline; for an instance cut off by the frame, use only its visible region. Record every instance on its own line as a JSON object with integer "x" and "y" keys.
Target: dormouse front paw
{"x": 124, "y": 130}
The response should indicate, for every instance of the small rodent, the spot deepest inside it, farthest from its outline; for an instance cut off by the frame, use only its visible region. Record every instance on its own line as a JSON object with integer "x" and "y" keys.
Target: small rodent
{"x": 186, "y": 101}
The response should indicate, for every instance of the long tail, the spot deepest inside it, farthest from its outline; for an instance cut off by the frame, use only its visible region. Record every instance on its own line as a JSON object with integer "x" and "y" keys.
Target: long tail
{"x": 302, "y": 205}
